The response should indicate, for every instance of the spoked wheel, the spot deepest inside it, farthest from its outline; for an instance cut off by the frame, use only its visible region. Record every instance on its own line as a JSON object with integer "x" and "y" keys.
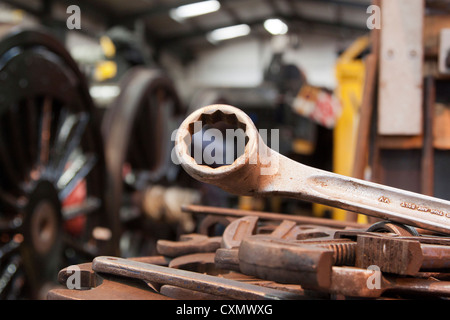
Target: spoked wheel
{"x": 137, "y": 130}
{"x": 52, "y": 173}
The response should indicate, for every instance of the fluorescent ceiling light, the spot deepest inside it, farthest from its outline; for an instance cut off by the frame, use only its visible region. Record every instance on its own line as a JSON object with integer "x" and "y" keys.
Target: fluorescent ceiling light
{"x": 228, "y": 33}
{"x": 275, "y": 26}
{"x": 195, "y": 9}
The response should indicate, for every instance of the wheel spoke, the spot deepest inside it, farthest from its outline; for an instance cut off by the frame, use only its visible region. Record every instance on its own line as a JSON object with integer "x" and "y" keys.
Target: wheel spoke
{"x": 9, "y": 271}
{"x": 45, "y": 131}
{"x": 11, "y": 202}
{"x": 65, "y": 122}
{"x": 61, "y": 130}
{"x": 7, "y": 165}
{"x": 65, "y": 125}
{"x": 17, "y": 284}
{"x": 10, "y": 225}
{"x": 10, "y": 246}
{"x": 68, "y": 139}
{"x": 88, "y": 206}
{"x": 14, "y": 123}
{"x": 32, "y": 120}
{"x": 77, "y": 171}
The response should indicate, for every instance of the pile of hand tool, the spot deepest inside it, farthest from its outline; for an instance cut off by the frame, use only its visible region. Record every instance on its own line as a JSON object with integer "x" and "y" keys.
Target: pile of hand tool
{"x": 275, "y": 256}
{"x": 261, "y": 256}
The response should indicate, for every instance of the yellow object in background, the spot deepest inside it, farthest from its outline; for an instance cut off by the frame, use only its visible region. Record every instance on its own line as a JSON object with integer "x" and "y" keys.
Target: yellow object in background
{"x": 301, "y": 146}
{"x": 350, "y": 74}
{"x": 251, "y": 203}
{"x": 245, "y": 203}
{"x": 108, "y": 47}
{"x": 17, "y": 15}
{"x": 351, "y": 83}
{"x": 105, "y": 70}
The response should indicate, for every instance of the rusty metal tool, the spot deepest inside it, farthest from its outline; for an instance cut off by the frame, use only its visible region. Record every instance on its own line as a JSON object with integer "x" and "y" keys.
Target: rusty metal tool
{"x": 364, "y": 283}
{"x": 305, "y": 262}
{"x": 227, "y": 259}
{"x": 94, "y": 286}
{"x": 186, "y": 294}
{"x": 247, "y": 226}
{"x": 263, "y": 171}
{"x": 109, "y": 288}
{"x": 205, "y": 263}
{"x": 294, "y": 288}
{"x": 290, "y": 230}
{"x": 188, "y": 244}
{"x": 188, "y": 280}
{"x": 399, "y": 255}
{"x": 240, "y": 229}
{"x": 239, "y": 213}
{"x": 208, "y": 224}
{"x": 237, "y": 231}
{"x": 285, "y": 261}
{"x": 197, "y": 262}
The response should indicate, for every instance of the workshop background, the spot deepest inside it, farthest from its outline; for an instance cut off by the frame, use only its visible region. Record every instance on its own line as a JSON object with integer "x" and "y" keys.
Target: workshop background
{"x": 91, "y": 92}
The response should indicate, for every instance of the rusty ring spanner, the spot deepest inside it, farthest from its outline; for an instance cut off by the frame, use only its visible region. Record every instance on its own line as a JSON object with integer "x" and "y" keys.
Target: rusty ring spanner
{"x": 263, "y": 171}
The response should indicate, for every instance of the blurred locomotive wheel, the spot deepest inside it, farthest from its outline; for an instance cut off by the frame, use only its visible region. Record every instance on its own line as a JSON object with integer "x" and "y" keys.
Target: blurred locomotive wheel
{"x": 52, "y": 171}
{"x": 137, "y": 131}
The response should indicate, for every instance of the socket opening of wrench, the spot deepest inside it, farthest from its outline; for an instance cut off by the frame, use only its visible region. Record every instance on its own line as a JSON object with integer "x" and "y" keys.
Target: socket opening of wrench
{"x": 223, "y": 128}
{"x": 216, "y": 139}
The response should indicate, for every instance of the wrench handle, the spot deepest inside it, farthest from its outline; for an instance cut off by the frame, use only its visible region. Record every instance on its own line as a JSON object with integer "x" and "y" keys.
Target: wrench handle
{"x": 305, "y": 183}
{"x": 226, "y": 288}
{"x": 384, "y": 202}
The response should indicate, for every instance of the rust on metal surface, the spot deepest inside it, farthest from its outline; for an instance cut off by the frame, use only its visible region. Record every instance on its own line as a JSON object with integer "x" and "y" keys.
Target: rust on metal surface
{"x": 285, "y": 261}
{"x": 178, "y": 293}
{"x": 197, "y": 262}
{"x": 109, "y": 288}
{"x": 238, "y": 230}
{"x": 208, "y": 223}
{"x": 227, "y": 259}
{"x": 391, "y": 255}
{"x": 364, "y": 283}
{"x": 403, "y": 256}
{"x": 95, "y": 286}
{"x": 188, "y": 280}
{"x": 265, "y": 267}
{"x": 192, "y": 243}
{"x": 197, "y": 209}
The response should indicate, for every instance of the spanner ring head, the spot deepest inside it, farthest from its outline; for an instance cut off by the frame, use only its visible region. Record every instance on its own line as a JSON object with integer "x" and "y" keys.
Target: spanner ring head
{"x": 211, "y": 115}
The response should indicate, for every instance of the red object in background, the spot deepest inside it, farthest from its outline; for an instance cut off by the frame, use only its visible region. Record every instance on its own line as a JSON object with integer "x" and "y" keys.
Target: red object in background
{"x": 78, "y": 196}
{"x": 317, "y": 104}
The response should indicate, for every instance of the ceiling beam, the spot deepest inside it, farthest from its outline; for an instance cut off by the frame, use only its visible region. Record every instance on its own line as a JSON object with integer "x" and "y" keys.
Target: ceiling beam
{"x": 152, "y": 11}
{"x": 273, "y": 5}
{"x": 165, "y": 8}
{"x": 344, "y": 3}
{"x": 287, "y": 18}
